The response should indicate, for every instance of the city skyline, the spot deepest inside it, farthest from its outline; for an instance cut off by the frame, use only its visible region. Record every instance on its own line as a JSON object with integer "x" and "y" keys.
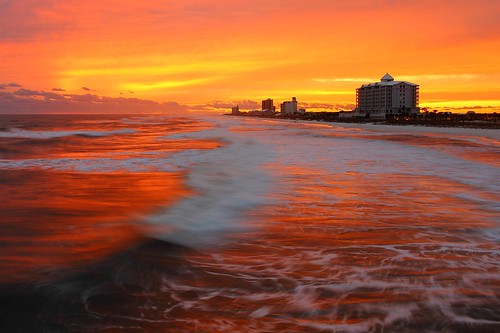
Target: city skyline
{"x": 210, "y": 55}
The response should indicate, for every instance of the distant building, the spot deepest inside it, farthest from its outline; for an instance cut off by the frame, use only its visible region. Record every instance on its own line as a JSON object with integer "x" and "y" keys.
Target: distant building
{"x": 346, "y": 114}
{"x": 386, "y": 97}
{"x": 268, "y": 105}
{"x": 268, "y": 113}
{"x": 235, "y": 109}
{"x": 289, "y": 107}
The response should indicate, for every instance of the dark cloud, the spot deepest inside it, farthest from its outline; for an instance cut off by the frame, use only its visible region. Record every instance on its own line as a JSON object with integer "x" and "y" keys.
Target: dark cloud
{"x": 40, "y": 94}
{"x": 327, "y": 106}
{"x": 35, "y": 101}
{"x": 475, "y": 107}
{"x": 254, "y": 105}
{"x": 467, "y": 108}
{"x": 4, "y": 86}
{"x": 26, "y": 92}
{"x": 217, "y": 105}
{"x": 86, "y": 89}
{"x": 58, "y": 89}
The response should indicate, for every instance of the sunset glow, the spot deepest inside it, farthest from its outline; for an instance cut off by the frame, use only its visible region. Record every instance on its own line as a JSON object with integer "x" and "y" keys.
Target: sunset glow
{"x": 200, "y": 54}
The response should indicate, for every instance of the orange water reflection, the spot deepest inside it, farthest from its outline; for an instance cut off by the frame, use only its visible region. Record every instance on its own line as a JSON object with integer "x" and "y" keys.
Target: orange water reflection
{"x": 474, "y": 148}
{"x": 353, "y": 252}
{"x": 55, "y": 219}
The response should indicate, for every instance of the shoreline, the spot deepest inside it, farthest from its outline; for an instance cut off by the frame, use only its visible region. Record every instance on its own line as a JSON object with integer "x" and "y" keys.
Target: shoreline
{"x": 464, "y": 124}
{"x": 487, "y": 134}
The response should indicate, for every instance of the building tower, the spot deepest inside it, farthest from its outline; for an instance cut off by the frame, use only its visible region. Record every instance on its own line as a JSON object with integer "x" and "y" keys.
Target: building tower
{"x": 267, "y": 104}
{"x": 289, "y": 107}
{"x": 387, "y": 97}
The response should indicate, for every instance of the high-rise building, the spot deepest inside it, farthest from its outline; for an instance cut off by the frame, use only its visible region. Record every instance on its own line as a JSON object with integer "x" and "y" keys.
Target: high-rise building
{"x": 235, "y": 109}
{"x": 268, "y": 104}
{"x": 289, "y": 107}
{"x": 387, "y": 97}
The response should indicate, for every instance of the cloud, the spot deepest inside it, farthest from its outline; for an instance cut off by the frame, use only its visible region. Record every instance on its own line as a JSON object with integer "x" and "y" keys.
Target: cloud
{"x": 254, "y": 105}
{"x": 26, "y": 92}
{"x": 439, "y": 77}
{"x": 24, "y": 20}
{"x": 218, "y": 105}
{"x": 58, "y": 89}
{"x": 327, "y": 106}
{"x": 86, "y": 89}
{"x": 461, "y": 109}
{"x": 4, "y": 86}
{"x": 35, "y": 101}
{"x": 37, "y": 94}
{"x": 344, "y": 79}
{"x": 243, "y": 104}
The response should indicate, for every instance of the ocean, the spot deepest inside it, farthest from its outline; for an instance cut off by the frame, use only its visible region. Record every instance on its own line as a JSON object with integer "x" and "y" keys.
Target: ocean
{"x": 211, "y": 223}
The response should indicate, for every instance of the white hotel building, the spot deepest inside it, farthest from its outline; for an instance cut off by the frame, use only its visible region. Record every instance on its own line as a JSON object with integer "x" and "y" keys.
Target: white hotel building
{"x": 289, "y": 107}
{"x": 386, "y": 97}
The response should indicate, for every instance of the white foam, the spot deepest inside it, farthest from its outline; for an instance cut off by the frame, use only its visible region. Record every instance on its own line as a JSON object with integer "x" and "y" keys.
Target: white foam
{"x": 261, "y": 312}
{"x": 226, "y": 182}
{"x": 86, "y": 165}
{"x": 21, "y": 133}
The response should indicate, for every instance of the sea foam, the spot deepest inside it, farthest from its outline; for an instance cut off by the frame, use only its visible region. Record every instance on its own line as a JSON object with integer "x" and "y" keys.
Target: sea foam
{"x": 21, "y": 133}
{"x": 226, "y": 182}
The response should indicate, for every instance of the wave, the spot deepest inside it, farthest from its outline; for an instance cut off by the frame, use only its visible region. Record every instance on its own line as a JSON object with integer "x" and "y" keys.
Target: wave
{"x": 92, "y": 297}
{"x": 361, "y": 235}
{"x": 226, "y": 182}
{"x": 22, "y": 133}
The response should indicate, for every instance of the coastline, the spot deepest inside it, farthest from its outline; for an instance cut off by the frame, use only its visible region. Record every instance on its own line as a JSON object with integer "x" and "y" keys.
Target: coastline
{"x": 485, "y": 133}
{"x": 493, "y": 124}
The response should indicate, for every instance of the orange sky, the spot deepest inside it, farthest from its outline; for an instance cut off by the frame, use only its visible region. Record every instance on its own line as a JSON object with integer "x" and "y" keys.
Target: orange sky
{"x": 212, "y": 52}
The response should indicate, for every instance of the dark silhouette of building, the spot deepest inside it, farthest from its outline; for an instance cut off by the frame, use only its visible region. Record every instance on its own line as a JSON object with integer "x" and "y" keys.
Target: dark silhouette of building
{"x": 268, "y": 104}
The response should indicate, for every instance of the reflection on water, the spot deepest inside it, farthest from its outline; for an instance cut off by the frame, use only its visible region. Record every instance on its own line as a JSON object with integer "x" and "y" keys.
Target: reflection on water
{"x": 52, "y": 219}
{"x": 354, "y": 229}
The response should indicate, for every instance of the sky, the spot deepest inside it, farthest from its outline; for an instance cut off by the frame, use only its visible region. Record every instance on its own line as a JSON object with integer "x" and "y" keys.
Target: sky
{"x": 212, "y": 54}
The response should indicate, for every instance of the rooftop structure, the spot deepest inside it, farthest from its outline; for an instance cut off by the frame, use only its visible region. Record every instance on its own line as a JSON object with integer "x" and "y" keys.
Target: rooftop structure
{"x": 387, "y": 78}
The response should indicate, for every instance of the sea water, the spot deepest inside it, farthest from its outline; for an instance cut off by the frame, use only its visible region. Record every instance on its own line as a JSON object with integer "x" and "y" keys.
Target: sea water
{"x": 213, "y": 223}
